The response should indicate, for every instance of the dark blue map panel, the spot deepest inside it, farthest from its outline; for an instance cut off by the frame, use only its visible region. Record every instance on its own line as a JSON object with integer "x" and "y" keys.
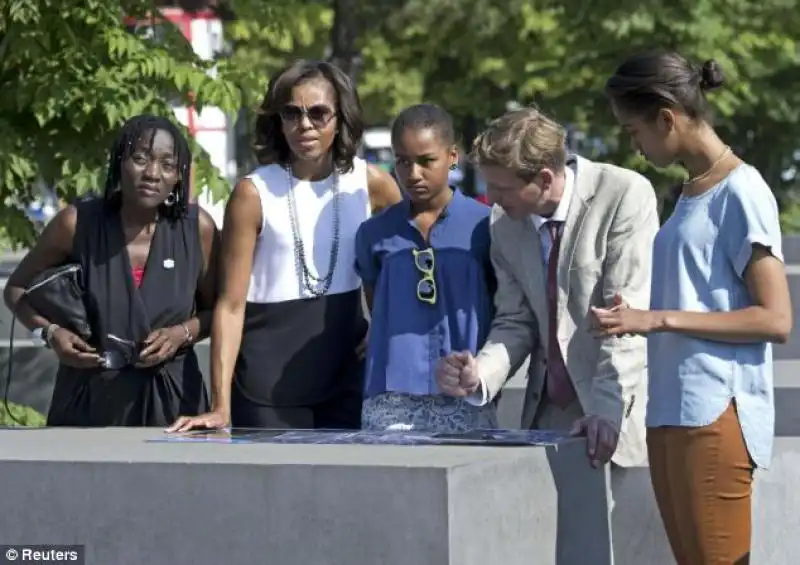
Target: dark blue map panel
{"x": 368, "y": 437}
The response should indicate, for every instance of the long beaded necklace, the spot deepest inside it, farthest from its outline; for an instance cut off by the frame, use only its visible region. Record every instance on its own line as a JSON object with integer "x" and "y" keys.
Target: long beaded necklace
{"x": 318, "y": 286}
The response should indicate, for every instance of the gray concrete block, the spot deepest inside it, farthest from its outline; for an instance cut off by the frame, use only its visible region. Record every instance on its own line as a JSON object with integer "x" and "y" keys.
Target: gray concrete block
{"x": 133, "y": 502}
{"x": 456, "y": 505}
{"x": 791, "y": 249}
{"x": 638, "y": 534}
{"x": 776, "y": 507}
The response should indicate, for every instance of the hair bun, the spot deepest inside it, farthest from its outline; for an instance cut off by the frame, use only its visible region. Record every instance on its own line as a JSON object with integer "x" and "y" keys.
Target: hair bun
{"x": 711, "y": 75}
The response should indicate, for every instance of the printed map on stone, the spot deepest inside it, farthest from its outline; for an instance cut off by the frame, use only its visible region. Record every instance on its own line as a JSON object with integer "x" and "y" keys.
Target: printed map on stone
{"x": 364, "y": 437}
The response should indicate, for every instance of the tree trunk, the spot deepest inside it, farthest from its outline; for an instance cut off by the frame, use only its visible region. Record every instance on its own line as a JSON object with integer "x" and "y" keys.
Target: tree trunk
{"x": 469, "y": 133}
{"x": 344, "y": 35}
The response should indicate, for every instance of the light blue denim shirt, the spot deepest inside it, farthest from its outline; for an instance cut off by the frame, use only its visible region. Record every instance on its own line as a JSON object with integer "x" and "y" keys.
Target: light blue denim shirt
{"x": 700, "y": 255}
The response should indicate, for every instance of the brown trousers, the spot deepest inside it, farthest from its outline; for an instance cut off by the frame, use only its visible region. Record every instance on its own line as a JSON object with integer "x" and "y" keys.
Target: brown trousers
{"x": 702, "y": 478}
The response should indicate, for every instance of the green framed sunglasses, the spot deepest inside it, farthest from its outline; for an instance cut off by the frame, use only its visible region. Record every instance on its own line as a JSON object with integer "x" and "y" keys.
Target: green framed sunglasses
{"x": 426, "y": 287}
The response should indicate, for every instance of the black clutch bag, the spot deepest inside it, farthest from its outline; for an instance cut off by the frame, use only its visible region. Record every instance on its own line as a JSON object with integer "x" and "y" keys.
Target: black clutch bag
{"x": 57, "y": 294}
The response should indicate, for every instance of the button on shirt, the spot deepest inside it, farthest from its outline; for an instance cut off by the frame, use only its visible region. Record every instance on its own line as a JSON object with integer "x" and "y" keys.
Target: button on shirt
{"x": 408, "y": 337}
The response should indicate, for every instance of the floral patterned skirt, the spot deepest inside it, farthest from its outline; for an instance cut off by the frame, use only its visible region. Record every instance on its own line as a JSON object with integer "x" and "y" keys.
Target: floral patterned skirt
{"x": 436, "y": 413}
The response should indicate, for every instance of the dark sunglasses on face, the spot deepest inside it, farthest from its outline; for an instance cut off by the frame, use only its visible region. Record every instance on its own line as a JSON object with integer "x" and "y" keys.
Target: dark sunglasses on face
{"x": 319, "y": 114}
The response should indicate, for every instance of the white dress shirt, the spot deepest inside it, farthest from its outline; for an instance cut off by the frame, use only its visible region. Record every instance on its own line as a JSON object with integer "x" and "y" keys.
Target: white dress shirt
{"x": 560, "y": 215}
{"x": 478, "y": 398}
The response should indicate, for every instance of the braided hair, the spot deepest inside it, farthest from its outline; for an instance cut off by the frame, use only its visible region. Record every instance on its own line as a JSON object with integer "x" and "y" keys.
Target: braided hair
{"x": 124, "y": 144}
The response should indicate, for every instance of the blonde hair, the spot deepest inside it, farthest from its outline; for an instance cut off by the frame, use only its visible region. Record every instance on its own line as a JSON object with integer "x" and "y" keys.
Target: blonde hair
{"x": 524, "y": 141}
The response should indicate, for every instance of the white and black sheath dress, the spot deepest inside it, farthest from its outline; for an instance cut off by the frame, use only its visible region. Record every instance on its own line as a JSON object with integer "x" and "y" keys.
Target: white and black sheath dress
{"x": 297, "y": 366}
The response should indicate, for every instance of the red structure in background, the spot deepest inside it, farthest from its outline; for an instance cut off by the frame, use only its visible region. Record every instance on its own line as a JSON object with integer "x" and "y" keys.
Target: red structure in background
{"x": 202, "y": 27}
{"x": 183, "y": 20}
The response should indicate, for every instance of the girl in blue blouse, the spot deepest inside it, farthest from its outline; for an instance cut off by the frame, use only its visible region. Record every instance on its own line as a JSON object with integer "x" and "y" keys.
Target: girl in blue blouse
{"x": 428, "y": 281}
{"x": 719, "y": 299}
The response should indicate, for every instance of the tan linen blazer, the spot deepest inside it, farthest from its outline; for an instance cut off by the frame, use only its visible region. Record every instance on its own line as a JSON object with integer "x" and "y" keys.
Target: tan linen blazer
{"x": 606, "y": 248}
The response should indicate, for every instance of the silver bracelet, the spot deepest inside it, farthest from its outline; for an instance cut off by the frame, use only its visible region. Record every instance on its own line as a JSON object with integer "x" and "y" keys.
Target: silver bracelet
{"x": 48, "y": 334}
{"x": 189, "y": 337}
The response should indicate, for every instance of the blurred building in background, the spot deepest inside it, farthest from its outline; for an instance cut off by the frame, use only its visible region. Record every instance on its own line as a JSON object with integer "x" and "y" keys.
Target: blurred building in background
{"x": 213, "y": 130}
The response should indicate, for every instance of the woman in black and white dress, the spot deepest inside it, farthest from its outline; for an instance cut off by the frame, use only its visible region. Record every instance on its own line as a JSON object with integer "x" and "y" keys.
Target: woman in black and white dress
{"x": 287, "y": 330}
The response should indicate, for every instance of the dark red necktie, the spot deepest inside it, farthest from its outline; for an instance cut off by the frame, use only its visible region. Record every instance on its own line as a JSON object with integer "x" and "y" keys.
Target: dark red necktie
{"x": 558, "y": 386}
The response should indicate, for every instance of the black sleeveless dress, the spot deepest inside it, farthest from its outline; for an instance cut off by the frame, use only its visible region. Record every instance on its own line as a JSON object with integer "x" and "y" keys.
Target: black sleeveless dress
{"x": 127, "y": 396}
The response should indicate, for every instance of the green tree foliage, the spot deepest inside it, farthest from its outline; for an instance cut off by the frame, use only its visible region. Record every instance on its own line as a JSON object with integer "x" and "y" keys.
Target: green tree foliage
{"x": 475, "y": 55}
{"x": 20, "y": 416}
{"x": 261, "y": 43}
{"x": 71, "y": 73}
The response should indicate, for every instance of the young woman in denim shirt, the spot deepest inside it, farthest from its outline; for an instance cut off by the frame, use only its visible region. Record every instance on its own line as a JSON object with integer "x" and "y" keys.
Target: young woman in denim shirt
{"x": 719, "y": 299}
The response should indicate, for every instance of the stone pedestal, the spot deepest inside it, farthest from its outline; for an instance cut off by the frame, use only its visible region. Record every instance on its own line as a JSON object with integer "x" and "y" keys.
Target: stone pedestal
{"x": 131, "y": 502}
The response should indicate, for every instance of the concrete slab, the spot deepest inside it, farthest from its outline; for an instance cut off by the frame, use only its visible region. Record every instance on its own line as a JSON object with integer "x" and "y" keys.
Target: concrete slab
{"x": 132, "y": 502}
{"x": 200, "y": 506}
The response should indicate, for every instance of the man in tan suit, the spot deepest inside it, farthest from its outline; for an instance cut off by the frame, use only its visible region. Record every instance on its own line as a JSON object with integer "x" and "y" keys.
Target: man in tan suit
{"x": 568, "y": 235}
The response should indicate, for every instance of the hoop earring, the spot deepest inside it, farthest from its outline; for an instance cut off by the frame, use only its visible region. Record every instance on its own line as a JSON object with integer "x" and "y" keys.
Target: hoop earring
{"x": 170, "y": 201}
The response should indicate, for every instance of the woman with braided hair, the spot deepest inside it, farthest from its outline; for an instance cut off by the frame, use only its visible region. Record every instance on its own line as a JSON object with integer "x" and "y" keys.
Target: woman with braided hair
{"x": 148, "y": 268}
{"x": 719, "y": 300}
